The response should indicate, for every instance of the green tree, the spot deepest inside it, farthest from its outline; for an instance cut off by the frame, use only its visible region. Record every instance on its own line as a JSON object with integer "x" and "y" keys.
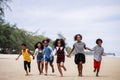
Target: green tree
{"x": 3, "y": 6}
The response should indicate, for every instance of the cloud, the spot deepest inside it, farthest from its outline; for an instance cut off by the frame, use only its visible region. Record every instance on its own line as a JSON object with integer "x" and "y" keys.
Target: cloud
{"x": 91, "y": 18}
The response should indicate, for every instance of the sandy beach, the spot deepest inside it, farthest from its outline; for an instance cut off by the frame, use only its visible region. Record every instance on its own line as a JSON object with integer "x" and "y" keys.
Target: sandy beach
{"x": 10, "y": 69}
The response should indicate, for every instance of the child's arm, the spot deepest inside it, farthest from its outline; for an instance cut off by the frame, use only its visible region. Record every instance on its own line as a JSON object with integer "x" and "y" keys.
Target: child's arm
{"x": 19, "y": 56}
{"x": 66, "y": 53}
{"x": 71, "y": 51}
{"x": 54, "y": 52}
{"x": 93, "y": 49}
{"x": 103, "y": 53}
{"x": 87, "y": 48}
{"x": 31, "y": 54}
{"x": 34, "y": 54}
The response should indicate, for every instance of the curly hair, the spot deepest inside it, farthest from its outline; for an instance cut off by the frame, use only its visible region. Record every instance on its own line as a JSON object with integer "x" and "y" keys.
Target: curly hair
{"x": 23, "y": 44}
{"x": 48, "y": 40}
{"x": 56, "y": 43}
{"x": 36, "y": 45}
{"x": 75, "y": 37}
{"x": 99, "y": 40}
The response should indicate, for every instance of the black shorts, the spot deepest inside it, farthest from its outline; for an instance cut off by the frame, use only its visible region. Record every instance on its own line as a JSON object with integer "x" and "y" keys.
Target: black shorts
{"x": 79, "y": 57}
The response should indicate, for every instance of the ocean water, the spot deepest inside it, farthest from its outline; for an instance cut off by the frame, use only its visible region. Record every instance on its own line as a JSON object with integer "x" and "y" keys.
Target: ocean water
{"x": 113, "y": 56}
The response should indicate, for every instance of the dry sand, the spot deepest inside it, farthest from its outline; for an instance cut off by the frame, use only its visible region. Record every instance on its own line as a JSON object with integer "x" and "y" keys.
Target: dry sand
{"x": 10, "y": 69}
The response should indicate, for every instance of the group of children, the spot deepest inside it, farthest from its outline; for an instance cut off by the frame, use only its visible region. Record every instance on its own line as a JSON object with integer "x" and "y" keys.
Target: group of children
{"x": 45, "y": 55}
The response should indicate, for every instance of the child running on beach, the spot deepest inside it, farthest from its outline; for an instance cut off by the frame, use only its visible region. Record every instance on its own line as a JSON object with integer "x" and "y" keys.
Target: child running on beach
{"x": 98, "y": 52}
{"x": 40, "y": 56}
{"x": 60, "y": 51}
{"x": 79, "y": 47}
{"x": 49, "y": 58}
{"x": 27, "y": 60}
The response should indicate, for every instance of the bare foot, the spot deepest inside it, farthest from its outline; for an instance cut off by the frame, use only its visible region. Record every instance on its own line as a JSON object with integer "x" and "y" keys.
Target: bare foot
{"x": 97, "y": 75}
{"x": 41, "y": 73}
{"x": 45, "y": 74}
{"x": 29, "y": 70}
{"x": 61, "y": 75}
{"x": 26, "y": 74}
{"x": 80, "y": 75}
{"x": 94, "y": 70}
{"x": 64, "y": 69}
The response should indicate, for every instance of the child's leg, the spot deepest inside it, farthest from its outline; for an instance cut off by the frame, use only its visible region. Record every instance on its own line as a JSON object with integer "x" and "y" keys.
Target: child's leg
{"x": 39, "y": 67}
{"x": 42, "y": 66}
{"x": 62, "y": 65}
{"x": 95, "y": 65}
{"x": 29, "y": 66}
{"x": 98, "y": 68}
{"x": 25, "y": 67}
{"x": 97, "y": 72}
{"x": 51, "y": 64}
{"x": 80, "y": 68}
{"x": 52, "y": 67}
{"x": 46, "y": 67}
{"x": 59, "y": 69}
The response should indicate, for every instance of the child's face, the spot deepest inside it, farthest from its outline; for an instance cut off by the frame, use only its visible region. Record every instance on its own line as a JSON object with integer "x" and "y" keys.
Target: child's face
{"x": 23, "y": 47}
{"x": 79, "y": 38}
{"x": 45, "y": 43}
{"x": 99, "y": 43}
{"x": 59, "y": 44}
{"x": 39, "y": 45}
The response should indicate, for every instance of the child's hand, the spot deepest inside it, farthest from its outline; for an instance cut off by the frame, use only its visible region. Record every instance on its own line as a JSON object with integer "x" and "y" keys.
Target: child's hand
{"x": 69, "y": 56}
{"x": 33, "y": 57}
{"x": 16, "y": 59}
{"x": 104, "y": 55}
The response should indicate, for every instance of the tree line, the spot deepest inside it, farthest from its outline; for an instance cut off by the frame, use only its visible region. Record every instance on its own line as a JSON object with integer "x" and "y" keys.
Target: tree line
{"x": 12, "y": 37}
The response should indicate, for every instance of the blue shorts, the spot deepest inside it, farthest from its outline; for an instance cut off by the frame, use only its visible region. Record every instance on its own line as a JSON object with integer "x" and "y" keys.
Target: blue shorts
{"x": 40, "y": 58}
{"x": 49, "y": 59}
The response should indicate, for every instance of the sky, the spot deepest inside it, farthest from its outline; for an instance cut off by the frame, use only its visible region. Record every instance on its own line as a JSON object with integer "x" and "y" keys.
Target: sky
{"x": 91, "y": 18}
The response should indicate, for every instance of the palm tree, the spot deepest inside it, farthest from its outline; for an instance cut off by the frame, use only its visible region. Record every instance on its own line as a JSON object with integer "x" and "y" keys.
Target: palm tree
{"x": 3, "y": 5}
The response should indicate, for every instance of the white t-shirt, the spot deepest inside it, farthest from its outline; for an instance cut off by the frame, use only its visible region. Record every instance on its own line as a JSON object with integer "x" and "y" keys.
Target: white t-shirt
{"x": 38, "y": 51}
